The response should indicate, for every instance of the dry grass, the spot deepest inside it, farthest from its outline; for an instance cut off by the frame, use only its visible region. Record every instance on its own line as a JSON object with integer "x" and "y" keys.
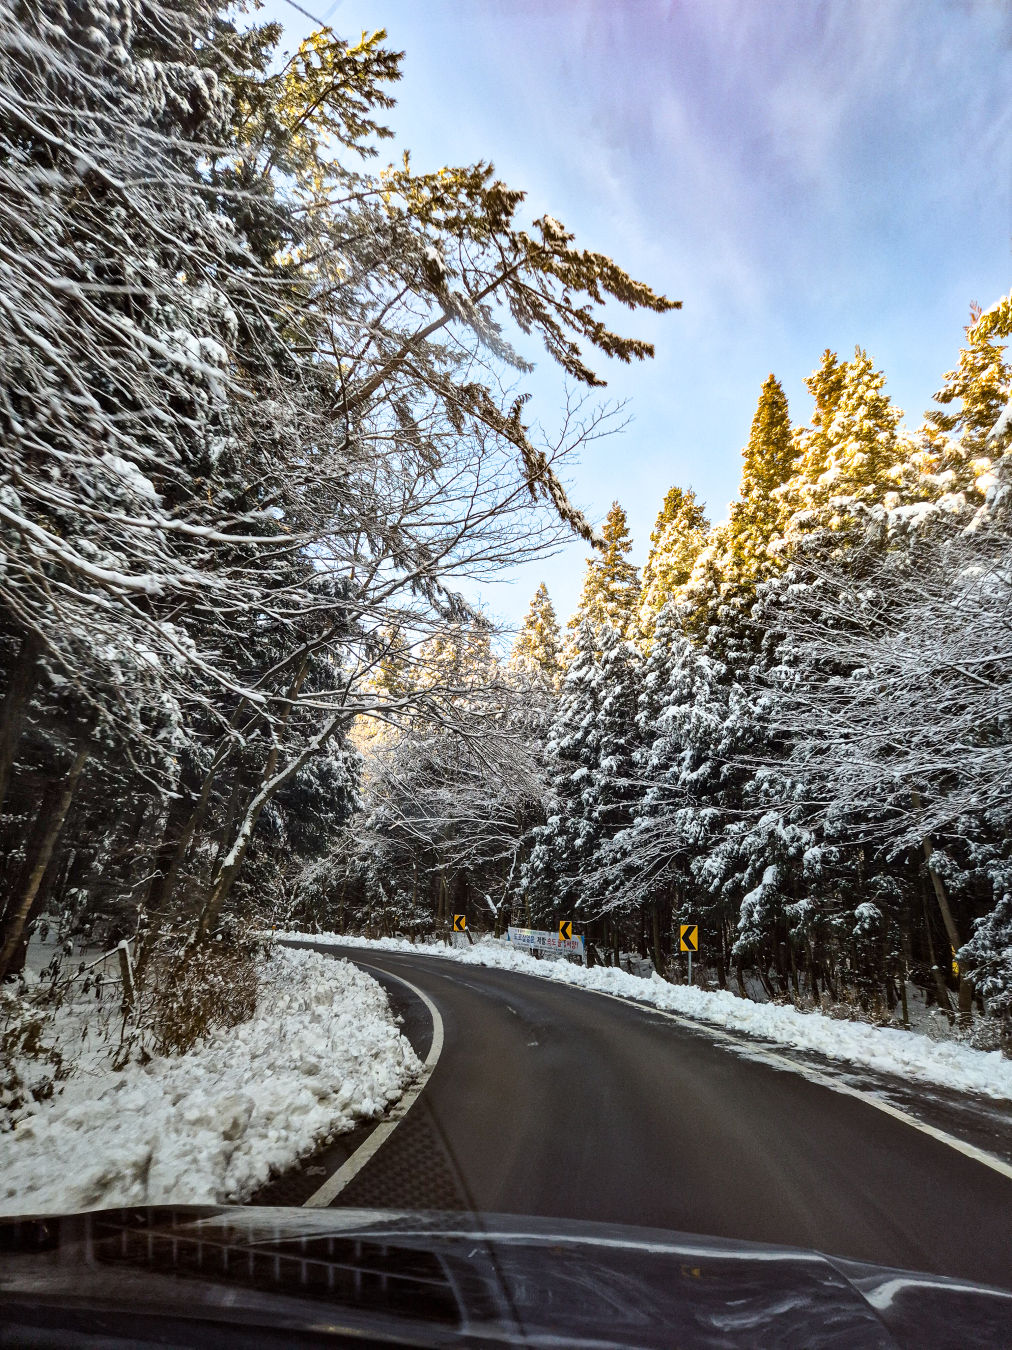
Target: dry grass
{"x": 191, "y": 990}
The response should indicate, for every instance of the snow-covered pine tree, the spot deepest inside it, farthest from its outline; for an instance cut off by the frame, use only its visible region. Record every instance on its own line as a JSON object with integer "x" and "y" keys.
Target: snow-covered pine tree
{"x": 683, "y": 722}
{"x": 537, "y": 652}
{"x": 122, "y": 277}
{"x": 701, "y": 601}
{"x": 758, "y": 517}
{"x": 610, "y": 792}
{"x": 611, "y": 584}
{"x": 678, "y": 535}
{"x": 589, "y": 762}
{"x": 825, "y": 384}
{"x": 972, "y": 399}
{"x": 989, "y": 955}
{"x": 850, "y": 448}
{"x": 638, "y": 866}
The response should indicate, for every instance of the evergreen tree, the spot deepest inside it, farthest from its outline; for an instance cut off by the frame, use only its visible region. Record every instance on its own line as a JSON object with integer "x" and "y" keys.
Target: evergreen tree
{"x": 759, "y": 516}
{"x": 611, "y": 584}
{"x": 850, "y": 451}
{"x": 564, "y": 843}
{"x": 675, "y": 542}
{"x": 591, "y": 745}
{"x": 537, "y": 652}
{"x": 686, "y": 724}
{"x": 826, "y": 387}
{"x": 701, "y": 601}
{"x": 989, "y": 952}
{"x": 642, "y": 865}
{"x": 972, "y": 400}
{"x": 611, "y": 791}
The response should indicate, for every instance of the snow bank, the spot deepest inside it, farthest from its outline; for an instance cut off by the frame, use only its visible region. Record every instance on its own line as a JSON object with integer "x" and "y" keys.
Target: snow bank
{"x": 885, "y": 1049}
{"x": 322, "y": 1053}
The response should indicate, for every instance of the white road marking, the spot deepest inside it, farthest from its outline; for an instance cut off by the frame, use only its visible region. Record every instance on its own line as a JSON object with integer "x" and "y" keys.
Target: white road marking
{"x": 739, "y": 1046}
{"x": 337, "y": 1181}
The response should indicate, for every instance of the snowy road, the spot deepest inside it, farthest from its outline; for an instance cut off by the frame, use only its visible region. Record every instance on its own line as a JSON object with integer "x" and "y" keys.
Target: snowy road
{"x": 552, "y": 1101}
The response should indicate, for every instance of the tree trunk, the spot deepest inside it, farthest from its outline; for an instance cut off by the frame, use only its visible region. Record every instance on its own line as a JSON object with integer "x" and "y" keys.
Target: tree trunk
{"x": 829, "y": 982}
{"x": 765, "y": 981}
{"x": 722, "y": 958}
{"x": 940, "y": 985}
{"x": 965, "y": 991}
{"x": 53, "y": 824}
{"x": 951, "y": 931}
{"x": 271, "y": 783}
{"x": 225, "y": 836}
{"x": 813, "y": 973}
{"x": 20, "y": 688}
{"x": 168, "y": 854}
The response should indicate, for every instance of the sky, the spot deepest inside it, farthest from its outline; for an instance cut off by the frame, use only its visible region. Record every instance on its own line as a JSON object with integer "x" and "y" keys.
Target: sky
{"x": 801, "y": 175}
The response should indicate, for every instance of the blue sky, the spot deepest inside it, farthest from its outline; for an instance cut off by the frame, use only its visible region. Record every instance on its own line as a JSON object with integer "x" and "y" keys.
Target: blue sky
{"x": 800, "y": 175}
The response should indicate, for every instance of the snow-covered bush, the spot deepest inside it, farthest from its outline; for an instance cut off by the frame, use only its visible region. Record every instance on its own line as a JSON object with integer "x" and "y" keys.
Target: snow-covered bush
{"x": 989, "y": 954}
{"x": 32, "y": 1061}
{"x": 190, "y": 990}
{"x": 320, "y": 1052}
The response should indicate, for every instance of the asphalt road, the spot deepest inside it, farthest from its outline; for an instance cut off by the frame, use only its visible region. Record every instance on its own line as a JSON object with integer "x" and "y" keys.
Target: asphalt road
{"x": 552, "y": 1101}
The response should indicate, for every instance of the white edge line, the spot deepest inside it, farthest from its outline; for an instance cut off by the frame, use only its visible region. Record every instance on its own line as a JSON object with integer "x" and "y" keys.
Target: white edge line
{"x": 337, "y": 1181}
{"x": 760, "y": 1053}
{"x": 749, "y": 1050}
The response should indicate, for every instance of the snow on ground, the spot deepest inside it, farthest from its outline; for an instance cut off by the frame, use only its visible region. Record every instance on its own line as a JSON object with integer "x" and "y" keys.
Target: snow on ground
{"x": 322, "y": 1053}
{"x": 885, "y": 1049}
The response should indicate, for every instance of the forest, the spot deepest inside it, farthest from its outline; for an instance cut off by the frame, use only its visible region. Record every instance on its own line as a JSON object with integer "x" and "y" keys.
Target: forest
{"x": 262, "y": 403}
{"x": 792, "y": 729}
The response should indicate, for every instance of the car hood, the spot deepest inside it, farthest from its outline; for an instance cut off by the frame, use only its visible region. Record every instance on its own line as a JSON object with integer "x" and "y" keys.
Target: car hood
{"x": 195, "y": 1275}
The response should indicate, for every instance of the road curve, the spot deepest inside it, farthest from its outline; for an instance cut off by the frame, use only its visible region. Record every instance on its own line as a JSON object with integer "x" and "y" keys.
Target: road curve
{"x": 552, "y": 1101}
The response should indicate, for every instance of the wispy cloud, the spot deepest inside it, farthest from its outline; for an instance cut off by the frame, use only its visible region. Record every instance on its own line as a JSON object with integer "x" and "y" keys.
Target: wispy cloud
{"x": 801, "y": 174}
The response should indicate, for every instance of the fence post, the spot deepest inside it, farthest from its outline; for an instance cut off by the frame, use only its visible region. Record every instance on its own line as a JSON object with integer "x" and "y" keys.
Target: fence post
{"x": 126, "y": 970}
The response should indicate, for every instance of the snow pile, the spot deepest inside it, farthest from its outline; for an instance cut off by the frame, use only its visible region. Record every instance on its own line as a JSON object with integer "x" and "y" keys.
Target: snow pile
{"x": 885, "y": 1049}
{"x": 322, "y": 1053}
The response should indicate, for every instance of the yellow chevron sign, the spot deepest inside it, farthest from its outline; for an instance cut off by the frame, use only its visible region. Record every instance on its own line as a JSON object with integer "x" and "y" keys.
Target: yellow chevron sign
{"x": 688, "y": 937}
{"x": 565, "y": 929}
{"x": 459, "y": 923}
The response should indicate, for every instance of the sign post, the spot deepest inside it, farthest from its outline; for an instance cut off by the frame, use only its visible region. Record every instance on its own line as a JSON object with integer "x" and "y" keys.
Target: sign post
{"x": 688, "y": 941}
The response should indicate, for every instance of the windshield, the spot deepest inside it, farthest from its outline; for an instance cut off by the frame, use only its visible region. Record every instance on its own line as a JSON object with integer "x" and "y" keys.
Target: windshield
{"x": 423, "y": 801}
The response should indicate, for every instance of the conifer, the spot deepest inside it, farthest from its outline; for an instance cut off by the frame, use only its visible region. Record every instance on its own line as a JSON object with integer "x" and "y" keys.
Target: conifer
{"x": 971, "y": 399}
{"x": 611, "y": 586}
{"x": 562, "y": 844}
{"x": 677, "y": 538}
{"x": 849, "y": 452}
{"x": 537, "y": 651}
{"x": 759, "y": 517}
{"x": 591, "y": 744}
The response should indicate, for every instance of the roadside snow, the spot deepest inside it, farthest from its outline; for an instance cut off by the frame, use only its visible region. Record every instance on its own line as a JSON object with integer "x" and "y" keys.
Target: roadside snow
{"x": 322, "y": 1053}
{"x": 885, "y": 1049}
